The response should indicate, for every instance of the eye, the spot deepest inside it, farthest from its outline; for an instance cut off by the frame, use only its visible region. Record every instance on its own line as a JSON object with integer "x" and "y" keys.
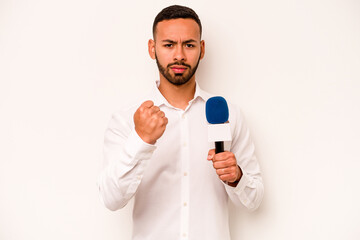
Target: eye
{"x": 169, "y": 45}
{"x": 188, "y": 45}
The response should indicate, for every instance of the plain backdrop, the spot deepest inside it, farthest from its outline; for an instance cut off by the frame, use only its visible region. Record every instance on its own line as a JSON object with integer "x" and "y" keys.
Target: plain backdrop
{"x": 292, "y": 66}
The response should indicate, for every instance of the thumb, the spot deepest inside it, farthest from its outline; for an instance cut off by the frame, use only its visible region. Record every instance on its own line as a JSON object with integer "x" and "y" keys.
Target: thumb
{"x": 211, "y": 154}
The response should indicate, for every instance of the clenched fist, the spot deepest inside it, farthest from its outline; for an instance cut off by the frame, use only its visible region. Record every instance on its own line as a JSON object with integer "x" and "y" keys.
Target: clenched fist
{"x": 150, "y": 122}
{"x": 226, "y": 166}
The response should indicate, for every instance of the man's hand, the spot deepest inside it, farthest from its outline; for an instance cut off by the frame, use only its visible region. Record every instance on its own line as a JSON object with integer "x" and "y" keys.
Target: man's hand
{"x": 150, "y": 122}
{"x": 226, "y": 166}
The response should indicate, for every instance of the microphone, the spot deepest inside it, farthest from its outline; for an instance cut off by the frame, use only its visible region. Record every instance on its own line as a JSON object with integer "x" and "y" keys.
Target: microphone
{"x": 217, "y": 114}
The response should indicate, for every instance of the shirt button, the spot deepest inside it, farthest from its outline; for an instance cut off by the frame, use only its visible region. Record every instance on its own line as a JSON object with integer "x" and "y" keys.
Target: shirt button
{"x": 184, "y": 234}
{"x": 183, "y": 116}
{"x": 184, "y": 144}
{"x": 185, "y": 204}
{"x": 185, "y": 174}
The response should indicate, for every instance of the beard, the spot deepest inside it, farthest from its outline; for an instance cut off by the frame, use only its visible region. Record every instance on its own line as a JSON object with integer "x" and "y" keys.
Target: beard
{"x": 178, "y": 78}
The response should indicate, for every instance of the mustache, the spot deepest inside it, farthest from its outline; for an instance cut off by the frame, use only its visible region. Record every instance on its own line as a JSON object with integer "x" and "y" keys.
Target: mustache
{"x": 179, "y": 64}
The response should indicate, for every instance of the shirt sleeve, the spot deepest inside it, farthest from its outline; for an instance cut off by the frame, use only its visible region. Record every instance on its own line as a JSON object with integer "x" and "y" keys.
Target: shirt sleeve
{"x": 250, "y": 190}
{"x": 125, "y": 159}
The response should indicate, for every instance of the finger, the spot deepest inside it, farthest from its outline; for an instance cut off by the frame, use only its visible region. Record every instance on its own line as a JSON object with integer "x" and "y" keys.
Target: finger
{"x": 224, "y": 164}
{"x": 224, "y": 156}
{"x": 228, "y": 177}
{"x": 211, "y": 154}
{"x": 161, "y": 114}
{"x": 165, "y": 121}
{"x": 225, "y": 171}
{"x": 147, "y": 104}
{"x": 154, "y": 109}
{"x": 158, "y": 115}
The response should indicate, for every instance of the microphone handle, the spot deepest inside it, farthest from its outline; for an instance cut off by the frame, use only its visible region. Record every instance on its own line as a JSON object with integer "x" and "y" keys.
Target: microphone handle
{"x": 219, "y": 147}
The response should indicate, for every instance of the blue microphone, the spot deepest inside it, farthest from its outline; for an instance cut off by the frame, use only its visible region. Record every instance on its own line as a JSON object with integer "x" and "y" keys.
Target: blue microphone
{"x": 217, "y": 114}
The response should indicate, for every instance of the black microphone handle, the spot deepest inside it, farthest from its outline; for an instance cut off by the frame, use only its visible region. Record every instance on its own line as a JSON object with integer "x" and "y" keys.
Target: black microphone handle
{"x": 219, "y": 147}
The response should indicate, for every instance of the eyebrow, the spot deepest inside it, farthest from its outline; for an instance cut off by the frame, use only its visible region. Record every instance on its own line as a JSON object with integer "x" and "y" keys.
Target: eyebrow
{"x": 185, "y": 42}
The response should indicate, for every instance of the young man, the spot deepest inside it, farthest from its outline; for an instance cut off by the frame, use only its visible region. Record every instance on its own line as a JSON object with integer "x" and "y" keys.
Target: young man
{"x": 158, "y": 150}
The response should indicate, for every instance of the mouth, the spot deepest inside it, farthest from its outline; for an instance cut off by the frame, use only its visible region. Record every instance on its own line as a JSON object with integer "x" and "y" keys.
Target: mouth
{"x": 178, "y": 69}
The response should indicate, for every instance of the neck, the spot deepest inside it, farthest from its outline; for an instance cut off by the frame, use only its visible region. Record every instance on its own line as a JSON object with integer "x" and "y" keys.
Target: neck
{"x": 178, "y": 96}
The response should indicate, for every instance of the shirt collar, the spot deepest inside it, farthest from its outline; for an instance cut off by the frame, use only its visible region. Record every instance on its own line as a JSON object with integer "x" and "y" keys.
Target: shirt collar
{"x": 159, "y": 99}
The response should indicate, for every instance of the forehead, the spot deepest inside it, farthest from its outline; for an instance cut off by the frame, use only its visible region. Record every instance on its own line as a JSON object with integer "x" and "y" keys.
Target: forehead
{"x": 178, "y": 29}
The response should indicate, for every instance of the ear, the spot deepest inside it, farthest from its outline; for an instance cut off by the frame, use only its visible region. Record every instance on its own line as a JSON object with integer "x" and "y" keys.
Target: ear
{"x": 202, "y": 47}
{"x": 151, "y": 48}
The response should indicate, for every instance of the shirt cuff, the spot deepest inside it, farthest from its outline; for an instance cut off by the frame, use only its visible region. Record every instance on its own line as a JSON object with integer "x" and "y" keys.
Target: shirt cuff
{"x": 136, "y": 148}
{"x": 239, "y": 190}
{"x": 244, "y": 181}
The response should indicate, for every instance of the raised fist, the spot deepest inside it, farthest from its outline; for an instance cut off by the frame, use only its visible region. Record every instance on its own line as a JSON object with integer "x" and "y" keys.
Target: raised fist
{"x": 150, "y": 122}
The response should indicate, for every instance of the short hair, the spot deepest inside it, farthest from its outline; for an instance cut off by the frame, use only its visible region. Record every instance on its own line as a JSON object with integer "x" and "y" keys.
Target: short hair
{"x": 175, "y": 12}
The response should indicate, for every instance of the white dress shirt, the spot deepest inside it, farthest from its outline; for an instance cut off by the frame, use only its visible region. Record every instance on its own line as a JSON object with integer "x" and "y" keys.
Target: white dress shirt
{"x": 178, "y": 194}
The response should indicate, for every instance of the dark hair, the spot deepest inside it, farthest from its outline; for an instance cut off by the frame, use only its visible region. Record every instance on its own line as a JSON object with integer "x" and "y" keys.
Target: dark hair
{"x": 174, "y": 12}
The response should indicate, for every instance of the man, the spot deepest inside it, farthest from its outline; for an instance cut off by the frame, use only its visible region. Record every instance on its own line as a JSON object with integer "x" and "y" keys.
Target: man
{"x": 157, "y": 150}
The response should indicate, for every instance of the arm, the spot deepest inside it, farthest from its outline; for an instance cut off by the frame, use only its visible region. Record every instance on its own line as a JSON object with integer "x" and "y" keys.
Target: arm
{"x": 239, "y": 168}
{"x": 127, "y": 152}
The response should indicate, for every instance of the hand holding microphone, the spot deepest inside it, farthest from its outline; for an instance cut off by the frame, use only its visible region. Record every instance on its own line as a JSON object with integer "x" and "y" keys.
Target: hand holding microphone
{"x": 150, "y": 122}
{"x": 224, "y": 162}
{"x": 225, "y": 165}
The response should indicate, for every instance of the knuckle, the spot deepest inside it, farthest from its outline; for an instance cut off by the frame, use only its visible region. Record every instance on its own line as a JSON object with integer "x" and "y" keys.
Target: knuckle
{"x": 215, "y": 165}
{"x": 230, "y": 162}
{"x": 143, "y": 110}
{"x": 161, "y": 114}
{"x": 153, "y": 117}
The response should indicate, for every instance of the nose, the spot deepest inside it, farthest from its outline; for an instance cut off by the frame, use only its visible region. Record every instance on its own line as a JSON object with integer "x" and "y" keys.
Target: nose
{"x": 179, "y": 54}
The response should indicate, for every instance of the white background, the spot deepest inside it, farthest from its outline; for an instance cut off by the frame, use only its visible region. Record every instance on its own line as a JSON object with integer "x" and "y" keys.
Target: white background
{"x": 293, "y": 67}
